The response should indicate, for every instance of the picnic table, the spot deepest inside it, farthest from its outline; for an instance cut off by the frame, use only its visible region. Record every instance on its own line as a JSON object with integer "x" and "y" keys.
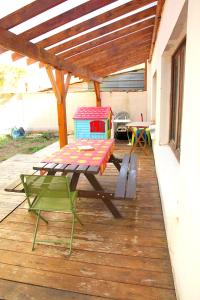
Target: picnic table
{"x": 90, "y": 157}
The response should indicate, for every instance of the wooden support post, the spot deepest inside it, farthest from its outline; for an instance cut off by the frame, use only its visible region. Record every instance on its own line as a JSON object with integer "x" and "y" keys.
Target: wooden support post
{"x": 60, "y": 89}
{"x": 61, "y": 109}
{"x": 52, "y": 79}
{"x": 145, "y": 76}
{"x": 97, "y": 91}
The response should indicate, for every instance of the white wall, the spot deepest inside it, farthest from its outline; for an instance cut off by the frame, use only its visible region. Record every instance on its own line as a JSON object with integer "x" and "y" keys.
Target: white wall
{"x": 38, "y": 111}
{"x": 179, "y": 181}
{"x": 134, "y": 103}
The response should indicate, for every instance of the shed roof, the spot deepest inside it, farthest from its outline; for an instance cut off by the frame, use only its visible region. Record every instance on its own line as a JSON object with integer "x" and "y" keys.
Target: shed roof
{"x": 89, "y": 39}
{"x": 91, "y": 113}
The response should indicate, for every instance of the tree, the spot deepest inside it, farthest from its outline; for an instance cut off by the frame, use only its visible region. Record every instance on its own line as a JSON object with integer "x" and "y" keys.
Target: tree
{"x": 10, "y": 77}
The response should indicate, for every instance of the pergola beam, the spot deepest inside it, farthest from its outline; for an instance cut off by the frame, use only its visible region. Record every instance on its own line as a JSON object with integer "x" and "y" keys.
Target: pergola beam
{"x": 64, "y": 18}
{"x": 114, "y": 45}
{"x": 112, "y": 52}
{"x": 124, "y": 65}
{"x": 120, "y": 59}
{"x": 156, "y": 26}
{"x": 105, "y": 40}
{"x": 2, "y": 50}
{"x": 94, "y": 34}
{"x": 27, "y": 12}
{"x": 13, "y": 42}
{"x": 98, "y": 20}
{"x": 150, "y": 12}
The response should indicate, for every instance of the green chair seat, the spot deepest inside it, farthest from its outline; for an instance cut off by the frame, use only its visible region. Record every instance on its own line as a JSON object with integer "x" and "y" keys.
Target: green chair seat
{"x": 56, "y": 203}
{"x": 51, "y": 194}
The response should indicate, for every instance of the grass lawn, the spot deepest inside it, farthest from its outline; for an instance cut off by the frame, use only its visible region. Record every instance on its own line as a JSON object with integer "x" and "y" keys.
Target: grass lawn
{"x": 26, "y": 145}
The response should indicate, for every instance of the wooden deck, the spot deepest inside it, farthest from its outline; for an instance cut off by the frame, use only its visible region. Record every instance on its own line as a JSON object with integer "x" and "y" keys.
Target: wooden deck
{"x": 124, "y": 259}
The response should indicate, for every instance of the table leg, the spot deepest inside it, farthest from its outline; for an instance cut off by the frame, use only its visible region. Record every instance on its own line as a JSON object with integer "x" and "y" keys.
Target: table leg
{"x": 139, "y": 141}
{"x": 97, "y": 186}
{"x": 74, "y": 181}
{"x": 115, "y": 161}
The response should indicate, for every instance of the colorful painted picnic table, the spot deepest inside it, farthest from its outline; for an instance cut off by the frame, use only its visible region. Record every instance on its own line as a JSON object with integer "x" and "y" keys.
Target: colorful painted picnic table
{"x": 96, "y": 153}
{"x": 74, "y": 159}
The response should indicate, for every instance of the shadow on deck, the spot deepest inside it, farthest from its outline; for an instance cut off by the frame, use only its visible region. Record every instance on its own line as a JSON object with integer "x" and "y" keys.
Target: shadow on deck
{"x": 122, "y": 259}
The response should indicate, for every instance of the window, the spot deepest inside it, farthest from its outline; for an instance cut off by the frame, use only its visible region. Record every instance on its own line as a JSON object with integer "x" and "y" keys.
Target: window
{"x": 178, "y": 66}
{"x": 97, "y": 126}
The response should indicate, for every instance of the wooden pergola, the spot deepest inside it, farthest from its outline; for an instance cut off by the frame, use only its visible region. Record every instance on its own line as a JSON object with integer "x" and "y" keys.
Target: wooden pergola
{"x": 125, "y": 37}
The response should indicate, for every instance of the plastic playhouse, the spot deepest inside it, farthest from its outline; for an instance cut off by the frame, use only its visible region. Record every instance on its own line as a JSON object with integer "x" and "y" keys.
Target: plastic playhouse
{"x": 93, "y": 123}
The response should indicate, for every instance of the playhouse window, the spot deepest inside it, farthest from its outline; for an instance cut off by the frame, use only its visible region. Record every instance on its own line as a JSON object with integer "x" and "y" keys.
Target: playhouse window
{"x": 97, "y": 126}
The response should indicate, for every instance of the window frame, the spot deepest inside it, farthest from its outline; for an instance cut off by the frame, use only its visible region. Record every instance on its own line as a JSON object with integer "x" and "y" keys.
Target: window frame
{"x": 177, "y": 87}
{"x": 97, "y": 126}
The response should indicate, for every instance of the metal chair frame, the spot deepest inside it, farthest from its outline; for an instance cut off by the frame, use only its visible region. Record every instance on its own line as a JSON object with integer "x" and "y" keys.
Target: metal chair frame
{"x": 50, "y": 193}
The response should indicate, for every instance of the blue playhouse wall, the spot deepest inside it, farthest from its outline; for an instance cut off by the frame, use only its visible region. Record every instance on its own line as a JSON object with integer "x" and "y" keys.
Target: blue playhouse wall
{"x": 82, "y": 131}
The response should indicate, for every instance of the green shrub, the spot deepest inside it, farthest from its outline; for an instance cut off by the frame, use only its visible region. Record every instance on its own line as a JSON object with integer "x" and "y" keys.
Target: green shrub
{"x": 4, "y": 140}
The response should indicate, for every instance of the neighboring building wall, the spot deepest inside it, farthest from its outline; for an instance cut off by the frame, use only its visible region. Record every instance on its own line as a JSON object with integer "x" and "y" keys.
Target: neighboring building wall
{"x": 38, "y": 111}
{"x": 134, "y": 103}
{"x": 179, "y": 180}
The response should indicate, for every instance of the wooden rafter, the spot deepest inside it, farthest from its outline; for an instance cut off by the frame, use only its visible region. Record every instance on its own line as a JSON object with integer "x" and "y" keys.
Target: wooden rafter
{"x": 2, "y": 50}
{"x": 12, "y": 42}
{"x": 112, "y": 50}
{"x": 27, "y": 12}
{"x": 119, "y": 59}
{"x": 31, "y": 61}
{"x": 125, "y": 64}
{"x": 98, "y": 20}
{"x": 116, "y": 64}
{"x": 113, "y": 44}
{"x": 108, "y": 38}
{"x": 156, "y": 26}
{"x": 15, "y": 56}
{"x": 105, "y": 29}
{"x": 123, "y": 42}
{"x": 64, "y": 18}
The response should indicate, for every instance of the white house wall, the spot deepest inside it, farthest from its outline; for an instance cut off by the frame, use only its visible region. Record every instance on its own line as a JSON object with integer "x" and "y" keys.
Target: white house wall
{"x": 179, "y": 182}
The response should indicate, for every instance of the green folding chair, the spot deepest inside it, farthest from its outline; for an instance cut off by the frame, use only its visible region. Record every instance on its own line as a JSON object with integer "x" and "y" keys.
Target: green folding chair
{"x": 50, "y": 194}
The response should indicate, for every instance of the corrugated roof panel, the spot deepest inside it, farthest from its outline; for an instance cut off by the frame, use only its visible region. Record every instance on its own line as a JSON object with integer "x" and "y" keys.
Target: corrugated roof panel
{"x": 129, "y": 81}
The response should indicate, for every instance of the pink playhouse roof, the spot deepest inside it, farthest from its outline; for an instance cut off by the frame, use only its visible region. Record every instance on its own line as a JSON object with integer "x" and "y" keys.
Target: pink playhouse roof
{"x": 87, "y": 113}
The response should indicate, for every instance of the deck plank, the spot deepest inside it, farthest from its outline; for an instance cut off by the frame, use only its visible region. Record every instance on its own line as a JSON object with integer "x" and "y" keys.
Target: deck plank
{"x": 112, "y": 259}
{"x": 17, "y": 291}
